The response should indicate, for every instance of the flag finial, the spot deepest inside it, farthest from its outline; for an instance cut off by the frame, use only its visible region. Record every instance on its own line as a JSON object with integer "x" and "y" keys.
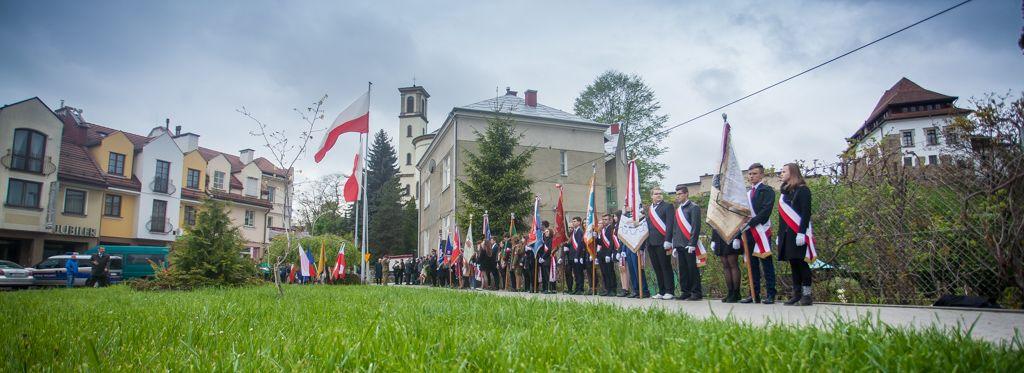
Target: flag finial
{"x": 725, "y": 117}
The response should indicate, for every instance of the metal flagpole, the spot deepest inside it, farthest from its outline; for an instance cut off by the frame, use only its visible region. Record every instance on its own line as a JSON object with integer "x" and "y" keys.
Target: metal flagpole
{"x": 355, "y": 206}
{"x": 365, "y": 265}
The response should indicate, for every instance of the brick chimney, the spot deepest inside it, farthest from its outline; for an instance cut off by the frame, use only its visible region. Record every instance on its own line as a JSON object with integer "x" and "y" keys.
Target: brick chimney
{"x": 75, "y": 128}
{"x": 510, "y": 92}
{"x": 531, "y": 98}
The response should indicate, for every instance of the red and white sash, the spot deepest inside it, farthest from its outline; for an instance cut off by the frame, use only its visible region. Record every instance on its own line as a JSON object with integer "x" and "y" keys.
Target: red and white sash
{"x": 659, "y": 224}
{"x": 685, "y": 226}
{"x": 762, "y": 233}
{"x": 604, "y": 238}
{"x": 793, "y": 220}
{"x": 575, "y": 246}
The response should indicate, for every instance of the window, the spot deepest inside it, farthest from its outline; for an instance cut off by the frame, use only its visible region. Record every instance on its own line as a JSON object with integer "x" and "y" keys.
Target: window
{"x": 408, "y": 131}
{"x": 933, "y": 160}
{"x": 112, "y": 205}
{"x": 410, "y": 103}
{"x": 271, "y": 191}
{"x": 21, "y": 193}
{"x": 565, "y": 163}
{"x": 270, "y": 221}
{"x": 115, "y": 164}
{"x": 406, "y": 189}
{"x": 163, "y": 177}
{"x": 252, "y": 186}
{"x": 426, "y": 193}
{"x": 907, "y": 138}
{"x": 408, "y": 159}
{"x": 446, "y": 172}
{"x": 908, "y": 161}
{"x": 74, "y": 202}
{"x": 190, "y": 216}
{"x": 192, "y": 180}
{"x": 218, "y": 180}
{"x": 158, "y": 220}
{"x": 932, "y": 136}
{"x": 28, "y": 150}
{"x": 250, "y": 218}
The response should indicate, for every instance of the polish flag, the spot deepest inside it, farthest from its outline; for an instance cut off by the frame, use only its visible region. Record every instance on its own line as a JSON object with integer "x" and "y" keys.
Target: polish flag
{"x": 352, "y": 184}
{"x": 355, "y": 118}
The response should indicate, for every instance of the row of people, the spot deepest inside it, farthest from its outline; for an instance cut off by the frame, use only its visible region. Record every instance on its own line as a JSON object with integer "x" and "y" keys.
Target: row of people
{"x": 674, "y": 230}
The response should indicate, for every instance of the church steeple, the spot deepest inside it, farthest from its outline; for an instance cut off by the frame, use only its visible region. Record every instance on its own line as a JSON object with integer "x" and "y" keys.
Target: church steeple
{"x": 412, "y": 122}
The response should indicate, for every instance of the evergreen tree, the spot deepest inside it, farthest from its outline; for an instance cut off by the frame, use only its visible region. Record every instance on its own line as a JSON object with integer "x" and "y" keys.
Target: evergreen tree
{"x": 386, "y": 221}
{"x": 410, "y": 225}
{"x": 496, "y": 179}
{"x": 382, "y": 167}
{"x": 615, "y": 97}
{"x": 209, "y": 250}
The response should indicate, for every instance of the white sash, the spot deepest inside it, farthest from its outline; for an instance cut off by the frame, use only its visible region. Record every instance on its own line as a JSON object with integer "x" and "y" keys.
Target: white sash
{"x": 656, "y": 220}
{"x": 793, "y": 220}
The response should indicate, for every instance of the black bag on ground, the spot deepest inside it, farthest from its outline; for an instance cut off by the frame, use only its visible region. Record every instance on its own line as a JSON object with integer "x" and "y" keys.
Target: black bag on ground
{"x": 950, "y": 300}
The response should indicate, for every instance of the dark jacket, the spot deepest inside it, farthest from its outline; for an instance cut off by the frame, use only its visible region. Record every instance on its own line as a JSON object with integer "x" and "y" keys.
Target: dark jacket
{"x": 99, "y": 264}
{"x": 800, "y": 199}
{"x": 577, "y": 246}
{"x": 763, "y": 202}
{"x": 721, "y": 246}
{"x": 654, "y": 236}
{"x": 691, "y": 212}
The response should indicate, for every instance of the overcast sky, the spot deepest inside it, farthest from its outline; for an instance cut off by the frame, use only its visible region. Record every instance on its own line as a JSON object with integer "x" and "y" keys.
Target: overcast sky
{"x": 129, "y": 65}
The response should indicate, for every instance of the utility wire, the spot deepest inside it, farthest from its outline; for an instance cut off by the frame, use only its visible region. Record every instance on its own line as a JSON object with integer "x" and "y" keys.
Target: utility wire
{"x": 773, "y": 85}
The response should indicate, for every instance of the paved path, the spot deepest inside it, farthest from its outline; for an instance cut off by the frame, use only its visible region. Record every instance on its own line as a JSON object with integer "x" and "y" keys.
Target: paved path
{"x": 993, "y": 326}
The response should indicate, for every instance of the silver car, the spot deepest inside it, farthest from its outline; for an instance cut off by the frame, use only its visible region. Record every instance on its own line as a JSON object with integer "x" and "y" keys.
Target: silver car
{"x": 13, "y": 275}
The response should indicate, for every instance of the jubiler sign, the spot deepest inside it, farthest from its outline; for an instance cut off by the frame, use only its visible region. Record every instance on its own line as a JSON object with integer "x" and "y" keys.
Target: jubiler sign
{"x": 70, "y": 230}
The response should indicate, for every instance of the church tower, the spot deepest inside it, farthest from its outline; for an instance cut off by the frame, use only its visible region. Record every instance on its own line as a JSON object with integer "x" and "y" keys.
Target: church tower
{"x": 412, "y": 122}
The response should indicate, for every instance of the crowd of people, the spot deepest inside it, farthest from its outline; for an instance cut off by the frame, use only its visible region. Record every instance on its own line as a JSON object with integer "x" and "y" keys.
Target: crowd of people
{"x": 609, "y": 268}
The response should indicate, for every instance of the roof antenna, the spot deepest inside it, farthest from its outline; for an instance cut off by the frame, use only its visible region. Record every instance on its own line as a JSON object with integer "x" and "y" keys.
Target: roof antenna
{"x": 413, "y": 79}
{"x": 62, "y": 103}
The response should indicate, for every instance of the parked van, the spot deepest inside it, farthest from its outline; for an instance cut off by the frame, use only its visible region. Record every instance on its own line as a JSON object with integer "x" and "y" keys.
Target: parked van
{"x": 51, "y": 272}
{"x": 138, "y": 260}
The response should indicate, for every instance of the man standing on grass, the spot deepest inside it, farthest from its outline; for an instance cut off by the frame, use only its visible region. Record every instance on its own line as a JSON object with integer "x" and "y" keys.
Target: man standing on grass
{"x": 574, "y": 281}
{"x": 659, "y": 243}
{"x": 758, "y": 232}
{"x": 685, "y": 240}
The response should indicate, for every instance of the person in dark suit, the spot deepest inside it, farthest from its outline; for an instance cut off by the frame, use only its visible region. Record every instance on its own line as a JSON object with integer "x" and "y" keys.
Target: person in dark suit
{"x": 100, "y": 262}
{"x": 762, "y": 199}
{"x": 544, "y": 261}
{"x": 730, "y": 265}
{"x": 606, "y": 255}
{"x": 793, "y": 243}
{"x": 685, "y": 239}
{"x": 659, "y": 243}
{"x": 577, "y": 249}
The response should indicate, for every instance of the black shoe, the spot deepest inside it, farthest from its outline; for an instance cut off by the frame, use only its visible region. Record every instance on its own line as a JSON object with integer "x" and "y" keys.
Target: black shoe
{"x": 631, "y": 295}
{"x": 695, "y": 297}
{"x": 750, "y": 300}
{"x": 622, "y": 293}
{"x": 683, "y": 297}
{"x": 769, "y": 300}
{"x": 806, "y": 300}
{"x": 792, "y": 301}
{"x": 734, "y": 296}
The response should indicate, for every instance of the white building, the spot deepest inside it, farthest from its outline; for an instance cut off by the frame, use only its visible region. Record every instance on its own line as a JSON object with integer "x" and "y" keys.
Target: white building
{"x": 158, "y": 167}
{"x": 916, "y": 115}
{"x": 560, "y": 141}
{"x": 412, "y": 123}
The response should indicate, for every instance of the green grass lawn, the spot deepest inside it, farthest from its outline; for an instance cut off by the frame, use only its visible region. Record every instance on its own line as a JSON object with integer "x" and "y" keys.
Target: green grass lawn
{"x": 318, "y": 328}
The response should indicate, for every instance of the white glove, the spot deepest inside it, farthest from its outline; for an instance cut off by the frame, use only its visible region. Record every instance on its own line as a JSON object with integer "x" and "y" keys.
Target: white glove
{"x": 565, "y": 249}
{"x": 579, "y": 261}
{"x": 776, "y": 241}
{"x": 690, "y": 249}
{"x": 667, "y": 245}
{"x": 541, "y": 260}
{"x": 736, "y": 244}
{"x": 607, "y": 259}
{"x": 675, "y": 254}
{"x": 559, "y": 260}
{"x": 801, "y": 239}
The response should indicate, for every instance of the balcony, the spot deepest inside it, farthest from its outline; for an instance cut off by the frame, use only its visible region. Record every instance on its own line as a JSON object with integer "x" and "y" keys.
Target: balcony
{"x": 162, "y": 186}
{"x": 159, "y": 225}
{"x": 44, "y": 166}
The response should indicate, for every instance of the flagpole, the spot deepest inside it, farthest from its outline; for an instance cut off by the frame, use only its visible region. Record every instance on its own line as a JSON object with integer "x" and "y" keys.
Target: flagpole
{"x": 364, "y": 265}
{"x": 355, "y": 206}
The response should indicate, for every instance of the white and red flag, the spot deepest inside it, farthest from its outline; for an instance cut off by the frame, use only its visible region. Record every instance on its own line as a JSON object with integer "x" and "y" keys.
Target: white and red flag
{"x": 355, "y": 118}
{"x": 339, "y": 264}
{"x": 352, "y": 184}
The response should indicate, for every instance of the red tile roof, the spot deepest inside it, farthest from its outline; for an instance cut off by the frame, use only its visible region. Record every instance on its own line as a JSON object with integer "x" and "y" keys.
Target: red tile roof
{"x": 232, "y": 197}
{"x": 263, "y": 164}
{"x": 77, "y": 165}
{"x": 120, "y": 182}
{"x": 192, "y": 194}
{"x": 902, "y": 93}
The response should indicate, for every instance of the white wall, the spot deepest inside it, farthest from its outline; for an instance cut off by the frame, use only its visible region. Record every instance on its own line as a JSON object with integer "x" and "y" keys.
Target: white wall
{"x": 918, "y": 125}
{"x": 165, "y": 149}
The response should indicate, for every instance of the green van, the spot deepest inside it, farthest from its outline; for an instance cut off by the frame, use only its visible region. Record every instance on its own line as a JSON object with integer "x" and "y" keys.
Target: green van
{"x": 136, "y": 259}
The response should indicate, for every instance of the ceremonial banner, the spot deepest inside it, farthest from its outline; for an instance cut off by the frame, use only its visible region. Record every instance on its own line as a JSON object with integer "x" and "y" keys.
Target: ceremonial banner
{"x": 632, "y": 230}
{"x": 728, "y": 209}
{"x": 561, "y": 236}
{"x": 590, "y": 229}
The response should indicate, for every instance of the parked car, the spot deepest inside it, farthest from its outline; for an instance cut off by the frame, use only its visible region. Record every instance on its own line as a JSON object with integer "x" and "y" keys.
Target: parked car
{"x": 51, "y": 272}
{"x": 138, "y": 260}
{"x": 13, "y": 275}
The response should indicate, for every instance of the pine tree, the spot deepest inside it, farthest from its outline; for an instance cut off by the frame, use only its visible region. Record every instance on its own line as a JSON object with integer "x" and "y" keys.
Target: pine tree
{"x": 386, "y": 221}
{"x": 382, "y": 167}
{"x": 209, "y": 250}
{"x": 615, "y": 97}
{"x": 496, "y": 179}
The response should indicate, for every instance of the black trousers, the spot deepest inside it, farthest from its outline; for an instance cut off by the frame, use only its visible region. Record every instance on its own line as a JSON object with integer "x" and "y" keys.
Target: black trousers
{"x": 801, "y": 273}
{"x": 689, "y": 274}
{"x": 662, "y": 269}
{"x": 766, "y": 267}
{"x": 608, "y": 274}
{"x": 493, "y": 279}
{"x": 545, "y": 276}
{"x": 512, "y": 280}
{"x": 577, "y": 274}
{"x": 98, "y": 280}
{"x": 528, "y": 279}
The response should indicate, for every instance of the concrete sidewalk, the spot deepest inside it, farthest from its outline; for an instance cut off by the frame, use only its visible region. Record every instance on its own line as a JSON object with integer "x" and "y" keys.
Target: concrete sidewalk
{"x": 992, "y": 326}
